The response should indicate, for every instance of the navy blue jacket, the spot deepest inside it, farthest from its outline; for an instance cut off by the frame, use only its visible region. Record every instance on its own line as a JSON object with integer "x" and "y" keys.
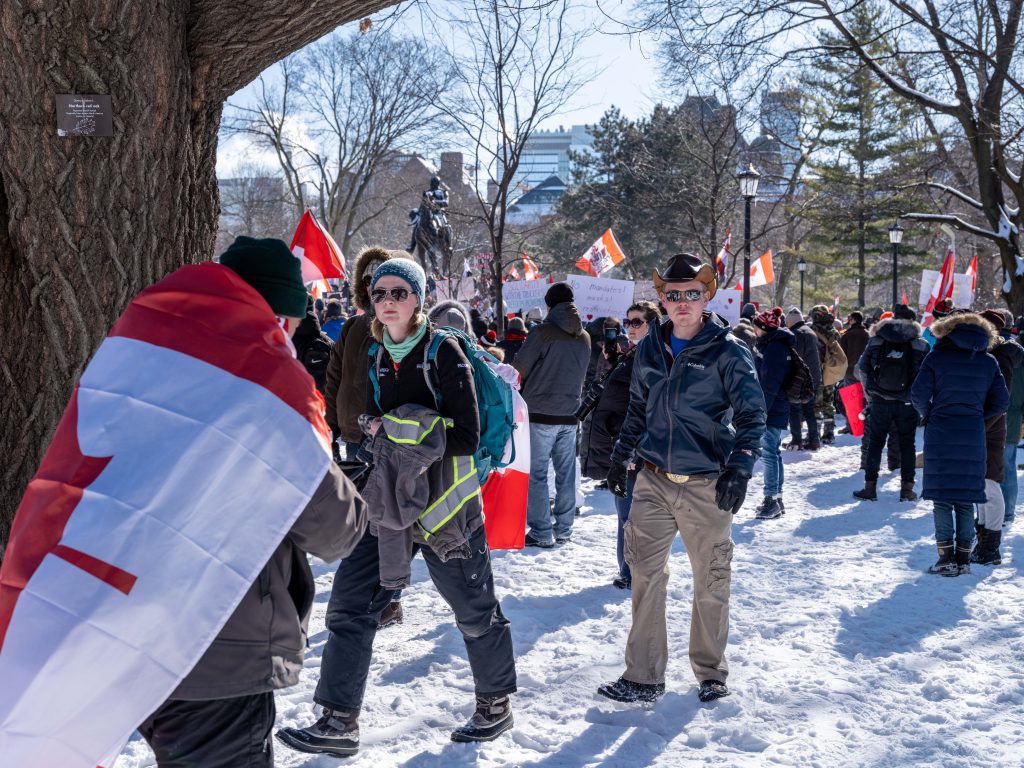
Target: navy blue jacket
{"x": 958, "y": 388}
{"x": 697, "y": 413}
{"x": 773, "y": 365}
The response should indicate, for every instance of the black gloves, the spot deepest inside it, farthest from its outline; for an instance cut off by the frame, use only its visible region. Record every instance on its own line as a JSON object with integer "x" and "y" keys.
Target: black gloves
{"x": 730, "y": 490}
{"x": 617, "y": 480}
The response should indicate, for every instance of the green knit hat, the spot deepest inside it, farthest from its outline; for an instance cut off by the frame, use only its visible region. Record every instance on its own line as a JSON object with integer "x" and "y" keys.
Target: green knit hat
{"x": 268, "y": 266}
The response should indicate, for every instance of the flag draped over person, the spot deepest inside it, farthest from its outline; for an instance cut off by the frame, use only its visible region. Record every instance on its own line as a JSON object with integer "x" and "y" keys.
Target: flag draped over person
{"x": 190, "y": 446}
{"x": 320, "y": 256}
{"x": 604, "y": 254}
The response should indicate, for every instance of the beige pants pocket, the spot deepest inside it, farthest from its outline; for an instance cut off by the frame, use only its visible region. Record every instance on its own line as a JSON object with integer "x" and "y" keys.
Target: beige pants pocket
{"x": 720, "y": 568}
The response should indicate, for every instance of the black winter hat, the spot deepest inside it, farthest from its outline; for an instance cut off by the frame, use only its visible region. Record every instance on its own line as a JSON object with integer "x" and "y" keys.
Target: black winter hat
{"x": 903, "y": 312}
{"x": 559, "y": 293}
{"x": 268, "y": 266}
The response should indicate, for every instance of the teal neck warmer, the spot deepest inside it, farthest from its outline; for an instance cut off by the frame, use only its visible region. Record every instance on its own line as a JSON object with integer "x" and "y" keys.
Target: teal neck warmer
{"x": 398, "y": 350}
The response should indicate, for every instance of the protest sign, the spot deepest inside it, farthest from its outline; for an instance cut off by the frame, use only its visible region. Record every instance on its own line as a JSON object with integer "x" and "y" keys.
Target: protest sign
{"x": 522, "y": 295}
{"x": 962, "y": 294}
{"x": 727, "y": 302}
{"x": 601, "y": 296}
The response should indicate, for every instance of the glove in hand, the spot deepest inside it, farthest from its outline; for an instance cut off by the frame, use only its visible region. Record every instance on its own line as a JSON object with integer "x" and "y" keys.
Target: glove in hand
{"x": 730, "y": 491}
{"x": 617, "y": 480}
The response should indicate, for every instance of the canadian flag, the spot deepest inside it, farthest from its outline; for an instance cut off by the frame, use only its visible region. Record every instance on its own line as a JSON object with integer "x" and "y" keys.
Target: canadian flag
{"x": 941, "y": 289}
{"x": 972, "y": 272}
{"x": 512, "y": 273}
{"x": 191, "y": 444}
{"x": 506, "y": 491}
{"x": 604, "y": 254}
{"x": 530, "y": 271}
{"x": 315, "y": 248}
{"x": 762, "y": 272}
{"x": 722, "y": 259}
{"x": 319, "y": 288}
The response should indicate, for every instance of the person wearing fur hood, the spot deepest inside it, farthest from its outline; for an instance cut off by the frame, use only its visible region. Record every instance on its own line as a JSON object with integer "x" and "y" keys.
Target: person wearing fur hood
{"x": 887, "y": 369}
{"x": 347, "y": 371}
{"x": 957, "y": 392}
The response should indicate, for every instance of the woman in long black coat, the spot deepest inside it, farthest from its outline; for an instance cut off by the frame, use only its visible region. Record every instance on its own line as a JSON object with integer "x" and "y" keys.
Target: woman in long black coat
{"x": 958, "y": 389}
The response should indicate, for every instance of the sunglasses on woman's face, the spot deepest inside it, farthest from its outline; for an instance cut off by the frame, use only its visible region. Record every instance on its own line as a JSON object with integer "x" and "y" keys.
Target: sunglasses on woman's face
{"x": 636, "y": 322}
{"x": 395, "y": 294}
{"x": 693, "y": 294}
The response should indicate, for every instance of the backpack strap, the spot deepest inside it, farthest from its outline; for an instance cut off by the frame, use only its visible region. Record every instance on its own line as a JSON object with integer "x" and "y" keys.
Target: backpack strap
{"x": 375, "y": 351}
{"x": 437, "y": 337}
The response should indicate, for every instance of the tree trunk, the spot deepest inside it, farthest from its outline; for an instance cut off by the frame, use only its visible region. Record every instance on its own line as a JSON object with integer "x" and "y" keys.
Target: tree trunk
{"x": 88, "y": 222}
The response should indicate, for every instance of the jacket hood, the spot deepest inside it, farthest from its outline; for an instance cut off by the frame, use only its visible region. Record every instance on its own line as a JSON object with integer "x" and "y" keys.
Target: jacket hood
{"x": 368, "y": 256}
{"x": 566, "y": 317}
{"x": 778, "y": 334}
{"x": 896, "y": 330}
{"x": 967, "y": 331}
{"x": 441, "y": 313}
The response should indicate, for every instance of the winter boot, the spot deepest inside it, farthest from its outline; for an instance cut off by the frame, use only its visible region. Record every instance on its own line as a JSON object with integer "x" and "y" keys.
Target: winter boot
{"x": 945, "y": 565}
{"x": 492, "y": 718}
{"x": 869, "y": 492}
{"x": 828, "y": 435}
{"x": 392, "y": 614}
{"x": 812, "y": 445}
{"x": 963, "y": 559}
{"x": 794, "y": 445}
{"x": 987, "y": 551}
{"x": 630, "y": 692}
{"x": 770, "y": 509}
{"x": 709, "y": 690}
{"x": 335, "y": 733}
{"x": 907, "y": 491}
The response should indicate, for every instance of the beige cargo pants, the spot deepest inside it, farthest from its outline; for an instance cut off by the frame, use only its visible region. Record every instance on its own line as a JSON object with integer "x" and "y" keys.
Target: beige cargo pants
{"x": 660, "y": 508}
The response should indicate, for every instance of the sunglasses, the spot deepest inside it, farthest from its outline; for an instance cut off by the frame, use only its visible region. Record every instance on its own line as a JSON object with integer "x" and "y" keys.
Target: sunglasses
{"x": 395, "y": 294}
{"x": 636, "y": 322}
{"x": 693, "y": 294}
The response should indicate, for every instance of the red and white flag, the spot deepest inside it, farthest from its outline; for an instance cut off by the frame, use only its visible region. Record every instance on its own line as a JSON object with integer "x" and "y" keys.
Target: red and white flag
{"x": 512, "y": 273}
{"x": 319, "y": 288}
{"x": 530, "y": 271}
{"x": 762, "y": 271}
{"x": 604, "y": 254}
{"x": 905, "y": 299}
{"x": 315, "y": 248}
{"x": 183, "y": 458}
{"x": 972, "y": 272}
{"x": 506, "y": 491}
{"x": 722, "y": 259}
{"x": 941, "y": 289}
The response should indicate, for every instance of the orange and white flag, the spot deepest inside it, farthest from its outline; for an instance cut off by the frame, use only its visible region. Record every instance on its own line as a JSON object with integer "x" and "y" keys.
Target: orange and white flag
{"x": 761, "y": 271}
{"x": 602, "y": 256}
{"x": 972, "y": 272}
{"x": 530, "y": 271}
{"x": 315, "y": 248}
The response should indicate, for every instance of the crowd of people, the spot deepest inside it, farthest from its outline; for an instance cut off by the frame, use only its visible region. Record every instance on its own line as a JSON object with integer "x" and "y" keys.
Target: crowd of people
{"x": 668, "y": 408}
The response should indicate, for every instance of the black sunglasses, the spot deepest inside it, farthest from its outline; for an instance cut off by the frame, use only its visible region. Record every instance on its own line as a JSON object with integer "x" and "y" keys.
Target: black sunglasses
{"x": 397, "y": 294}
{"x": 693, "y": 294}
{"x": 636, "y": 322}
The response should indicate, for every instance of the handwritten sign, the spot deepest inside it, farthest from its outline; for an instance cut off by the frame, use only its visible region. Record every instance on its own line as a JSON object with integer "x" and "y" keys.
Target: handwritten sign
{"x": 601, "y": 296}
{"x": 523, "y": 295}
{"x": 727, "y": 302}
{"x": 962, "y": 296}
{"x": 84, "y": 114}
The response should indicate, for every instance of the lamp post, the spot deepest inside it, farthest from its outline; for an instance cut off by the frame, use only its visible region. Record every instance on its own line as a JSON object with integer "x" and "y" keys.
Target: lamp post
{"x": 802, "y": 266}
{"x": 748, "y": 188}
{"x": 895, "y": 236}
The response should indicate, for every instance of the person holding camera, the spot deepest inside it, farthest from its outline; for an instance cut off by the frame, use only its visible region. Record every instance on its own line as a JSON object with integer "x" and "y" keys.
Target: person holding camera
{"x": 602, "y": 414}
{"x": 694, "y": 426}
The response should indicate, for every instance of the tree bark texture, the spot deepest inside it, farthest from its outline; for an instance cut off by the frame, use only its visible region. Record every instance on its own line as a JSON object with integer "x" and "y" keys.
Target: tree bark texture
{"x": 88, "y": 222}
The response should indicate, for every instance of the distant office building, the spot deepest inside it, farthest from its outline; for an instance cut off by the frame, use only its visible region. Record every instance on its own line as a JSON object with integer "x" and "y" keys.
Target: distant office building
{"x": 776, "y": 151}
{"x": 546, "y": 154}
{"x": 530, "y": 209}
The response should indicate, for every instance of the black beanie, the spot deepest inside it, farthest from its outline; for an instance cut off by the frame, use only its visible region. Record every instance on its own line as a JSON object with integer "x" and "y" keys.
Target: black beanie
{"x": 903, "y": 312}
{"x": 559, "y": 293}
{"x": 268, "y": 266}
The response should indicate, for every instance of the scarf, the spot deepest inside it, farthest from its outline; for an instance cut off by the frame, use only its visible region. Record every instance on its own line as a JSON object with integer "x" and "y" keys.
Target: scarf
{"x": 398, "y": 350}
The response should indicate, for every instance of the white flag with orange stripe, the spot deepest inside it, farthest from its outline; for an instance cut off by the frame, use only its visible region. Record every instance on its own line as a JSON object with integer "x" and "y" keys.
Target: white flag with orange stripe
{"x": 604, "y": 254}
{"x": 762, "y": 272}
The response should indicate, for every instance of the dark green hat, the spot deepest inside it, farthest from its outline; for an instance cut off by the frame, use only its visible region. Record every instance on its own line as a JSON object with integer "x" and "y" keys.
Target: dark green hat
{"x": 268, "y": 266}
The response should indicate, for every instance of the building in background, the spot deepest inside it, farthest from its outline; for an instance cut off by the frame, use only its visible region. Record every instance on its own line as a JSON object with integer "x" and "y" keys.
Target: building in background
{"x": 546, "y": 154}
{"x": 530, "y": 209}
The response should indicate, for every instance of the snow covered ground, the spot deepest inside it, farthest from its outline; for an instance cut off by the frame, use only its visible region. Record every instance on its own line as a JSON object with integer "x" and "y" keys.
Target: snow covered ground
{"x": 843, "y": 650}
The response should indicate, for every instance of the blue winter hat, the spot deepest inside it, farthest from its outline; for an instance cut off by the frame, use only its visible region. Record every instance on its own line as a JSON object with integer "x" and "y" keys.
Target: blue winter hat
{"x": 408, "y": 270}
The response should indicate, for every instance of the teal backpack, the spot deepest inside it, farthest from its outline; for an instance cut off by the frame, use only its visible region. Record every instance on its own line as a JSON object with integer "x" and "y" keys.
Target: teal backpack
{"x": 493, "y": 397}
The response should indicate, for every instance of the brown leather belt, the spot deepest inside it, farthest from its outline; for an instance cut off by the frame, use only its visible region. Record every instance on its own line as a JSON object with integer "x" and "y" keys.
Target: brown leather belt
{"x": 678, "y": 479}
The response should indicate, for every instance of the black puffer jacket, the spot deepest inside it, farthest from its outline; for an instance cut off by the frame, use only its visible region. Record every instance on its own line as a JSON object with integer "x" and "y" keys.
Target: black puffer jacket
{"x": 602, "y": 426}
{"x": 313, "y": 349}
{"x": 806, "y": 345}
{"x": 698, "y": 413}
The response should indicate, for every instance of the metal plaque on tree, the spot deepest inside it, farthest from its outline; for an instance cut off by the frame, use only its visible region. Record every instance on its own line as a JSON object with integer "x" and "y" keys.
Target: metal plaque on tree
{"x": 84, "y": 114}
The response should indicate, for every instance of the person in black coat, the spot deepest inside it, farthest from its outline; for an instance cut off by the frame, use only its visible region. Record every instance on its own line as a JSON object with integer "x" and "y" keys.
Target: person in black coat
{"x": 313, "y": 347}
{"x": 601, "y": 428}
{"x": 806, "y": 345}
{"x": 515, "y": 337}
{"x": 958, "y": 389}
{"x": 774, "y": 362}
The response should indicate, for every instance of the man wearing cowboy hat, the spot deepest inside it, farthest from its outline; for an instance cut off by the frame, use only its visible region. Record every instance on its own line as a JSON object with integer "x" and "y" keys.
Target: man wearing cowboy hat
{"x": 694, "y": 425}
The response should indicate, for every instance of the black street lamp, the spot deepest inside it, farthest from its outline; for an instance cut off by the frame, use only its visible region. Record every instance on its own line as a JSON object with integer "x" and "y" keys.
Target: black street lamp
{"x": 802, "y": 266}
{"x": 895, "y": 236}
{"x": 748, "y": 188}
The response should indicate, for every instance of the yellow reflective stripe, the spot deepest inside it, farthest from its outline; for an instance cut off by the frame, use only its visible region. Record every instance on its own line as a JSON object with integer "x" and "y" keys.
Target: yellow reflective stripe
{"x": 441, "y": 505}
{"x": 413, "y": 438}
{"x": 428, "y": 534}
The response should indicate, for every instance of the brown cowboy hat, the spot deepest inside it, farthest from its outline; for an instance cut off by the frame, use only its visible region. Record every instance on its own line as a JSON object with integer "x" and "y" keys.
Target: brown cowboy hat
{"x": 684, "y": 267}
